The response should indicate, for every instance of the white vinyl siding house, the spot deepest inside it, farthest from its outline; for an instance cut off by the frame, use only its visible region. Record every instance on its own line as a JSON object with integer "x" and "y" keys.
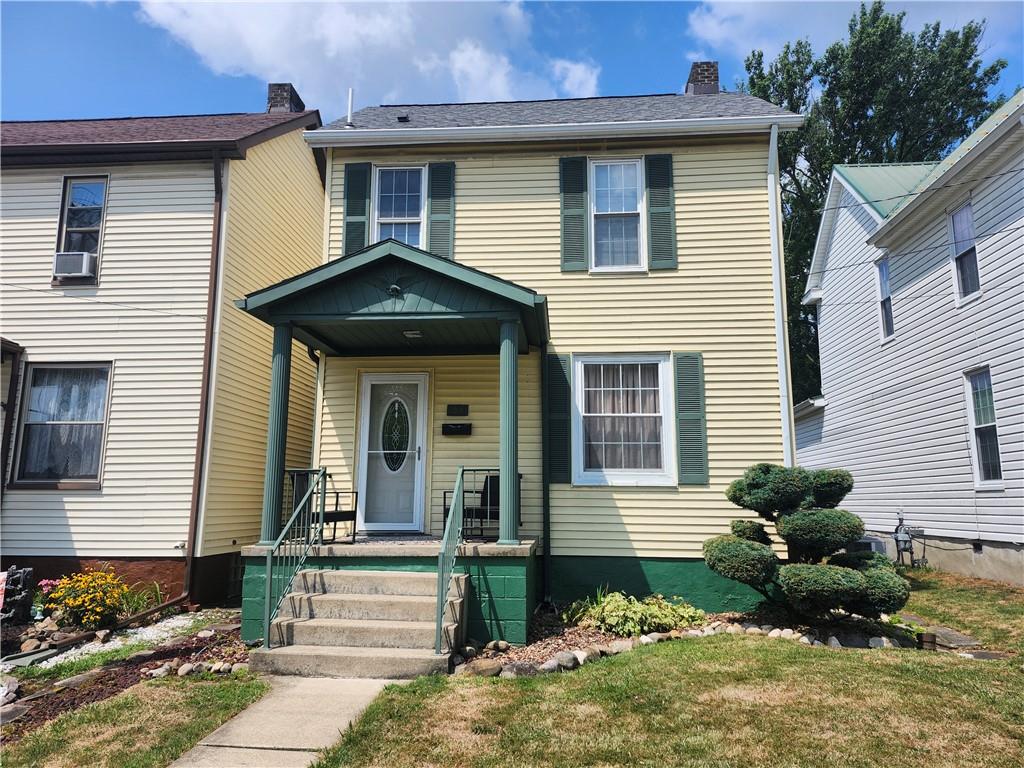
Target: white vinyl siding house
{"x": 926, "y": 418}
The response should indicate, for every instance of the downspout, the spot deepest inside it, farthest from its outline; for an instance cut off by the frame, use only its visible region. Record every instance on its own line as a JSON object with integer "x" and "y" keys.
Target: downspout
{"x": 779, "y": 280}
{"x": 545, "y": 476}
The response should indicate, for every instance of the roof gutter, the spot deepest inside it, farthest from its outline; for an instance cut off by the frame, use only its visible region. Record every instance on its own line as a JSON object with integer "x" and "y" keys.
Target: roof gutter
{"x": 384, "y": 137}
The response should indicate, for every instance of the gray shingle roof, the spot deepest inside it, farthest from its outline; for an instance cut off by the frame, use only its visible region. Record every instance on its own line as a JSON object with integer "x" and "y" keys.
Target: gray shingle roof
{"x": 601, "y": 109}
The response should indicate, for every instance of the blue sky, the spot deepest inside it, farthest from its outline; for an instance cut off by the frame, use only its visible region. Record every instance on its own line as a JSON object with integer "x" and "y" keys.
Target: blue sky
{"x": 63, "y": 60}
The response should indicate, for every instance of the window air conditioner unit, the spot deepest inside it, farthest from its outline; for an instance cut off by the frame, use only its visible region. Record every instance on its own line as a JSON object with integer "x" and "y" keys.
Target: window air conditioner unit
{"x": 74, "y": 264}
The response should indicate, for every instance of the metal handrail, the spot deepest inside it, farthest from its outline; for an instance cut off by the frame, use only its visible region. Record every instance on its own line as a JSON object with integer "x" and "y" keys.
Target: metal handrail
{"x": 288, "y": 553}
{"x": 446, "y": 557}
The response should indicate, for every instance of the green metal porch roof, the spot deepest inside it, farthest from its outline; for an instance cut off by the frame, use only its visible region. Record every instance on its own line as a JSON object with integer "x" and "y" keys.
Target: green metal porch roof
{"x": 884, "y": 186}
{"x": 393, "y": 299}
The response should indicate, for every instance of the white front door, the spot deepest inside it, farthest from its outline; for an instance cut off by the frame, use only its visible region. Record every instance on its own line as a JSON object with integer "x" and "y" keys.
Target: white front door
{"x": 392, "y": 451}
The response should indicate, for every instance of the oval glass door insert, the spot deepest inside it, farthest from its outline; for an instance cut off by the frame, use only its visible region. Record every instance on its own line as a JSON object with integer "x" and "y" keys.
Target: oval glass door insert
{"x": 394, "y": 434}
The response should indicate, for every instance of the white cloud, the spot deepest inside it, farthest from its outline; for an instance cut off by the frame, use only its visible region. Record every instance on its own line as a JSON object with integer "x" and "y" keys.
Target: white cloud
{"x": 734, "y": 29}
{"x": 696, "y": 56}
{"x": 577, "y": 79}
{"x": 388, "y": 51}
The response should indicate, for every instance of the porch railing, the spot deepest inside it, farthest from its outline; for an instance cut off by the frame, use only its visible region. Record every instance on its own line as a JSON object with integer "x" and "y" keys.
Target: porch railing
{"x": 446, "y": 557}
{"x": 301, "y": 532}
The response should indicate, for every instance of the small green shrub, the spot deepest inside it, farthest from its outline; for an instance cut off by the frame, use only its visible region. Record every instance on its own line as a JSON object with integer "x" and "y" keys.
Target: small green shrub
{"x": 769, "y": 489}
{"x": 885, "y": 591}
{"x": 828, "y": 487}
{"x": 624, "y": 615}
{"x": 862, "y": 561}
{"x": 741, "y": 560}
{"x": 140, "y": 597}
{"x": 750, "y": 530}
{"x": 814, "y": 533}
{"x": 819, "y": 589}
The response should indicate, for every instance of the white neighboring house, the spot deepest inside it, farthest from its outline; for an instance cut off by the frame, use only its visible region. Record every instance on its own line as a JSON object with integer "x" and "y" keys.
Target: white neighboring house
{"x": 918, "y": 277}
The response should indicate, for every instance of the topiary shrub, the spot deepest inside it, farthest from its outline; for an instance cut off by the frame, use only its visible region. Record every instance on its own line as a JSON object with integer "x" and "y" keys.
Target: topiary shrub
{"x": 862, "y": 561}
{"x": 750, "y": 530}
{"x": 803, "y": 505}
{"x": 769, "y": 489}
{"x": 885, "y": 591}
{"x": 741, "y": 560}
{"x": 820, "y": 589}
{"x": 828, "y": 487}
{"x": 814, "y": 533}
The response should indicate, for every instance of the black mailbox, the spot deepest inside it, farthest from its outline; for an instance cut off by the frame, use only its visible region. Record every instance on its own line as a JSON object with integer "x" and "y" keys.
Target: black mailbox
{"x": 457, "y": 430}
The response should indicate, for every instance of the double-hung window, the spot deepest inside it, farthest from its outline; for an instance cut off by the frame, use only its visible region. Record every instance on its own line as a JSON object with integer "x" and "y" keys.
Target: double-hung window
{"x": 965, "y": 255}
{"x": 400, "y": 199}
{"x": 884, "y": 298}
{"x": 616, "y": 215}
{"x": 623, "y": 417}
{"x": 63, "y": 423}
{"x": 981, "y": 412}
{"x": 81, "y": 227}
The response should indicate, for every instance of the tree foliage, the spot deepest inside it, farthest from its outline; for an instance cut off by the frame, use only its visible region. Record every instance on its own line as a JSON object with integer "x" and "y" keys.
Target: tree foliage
{"x": 883, "y": 95}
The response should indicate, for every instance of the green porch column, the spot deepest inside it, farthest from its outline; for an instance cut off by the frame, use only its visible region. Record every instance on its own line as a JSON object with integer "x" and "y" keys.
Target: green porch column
{"x": 508, "y": 435}
{"x": 277, "y": 433}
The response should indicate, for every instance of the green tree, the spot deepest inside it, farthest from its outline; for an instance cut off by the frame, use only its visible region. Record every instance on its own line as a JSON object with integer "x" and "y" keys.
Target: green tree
{"x": 882, "y": 95}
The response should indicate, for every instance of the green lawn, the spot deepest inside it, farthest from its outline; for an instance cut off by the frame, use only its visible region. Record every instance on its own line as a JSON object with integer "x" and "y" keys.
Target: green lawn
{"x": 719, "y": 701}
{"x": 147, "y": 726}
{"x": 989, "y": 611}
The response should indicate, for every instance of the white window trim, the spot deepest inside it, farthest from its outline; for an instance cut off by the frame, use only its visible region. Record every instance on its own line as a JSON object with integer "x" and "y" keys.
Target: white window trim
{"x": 883, "y": 339}
{"x": 375, "y": 203}
{"x": 633, "y": 477}
{"x": 641, "y": 211}
{"x": 25, "y": 398}
{"x": 959, "y": 300}
{"x": 972, "y": 441}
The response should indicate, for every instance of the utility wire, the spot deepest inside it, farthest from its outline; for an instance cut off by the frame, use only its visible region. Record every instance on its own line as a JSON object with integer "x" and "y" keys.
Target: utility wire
{"x": 921, "y": 191}
{"x": 107, "y": 303}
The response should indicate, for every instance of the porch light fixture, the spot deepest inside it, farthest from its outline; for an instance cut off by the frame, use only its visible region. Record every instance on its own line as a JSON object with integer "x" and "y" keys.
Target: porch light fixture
{"x": 413, "y": 334}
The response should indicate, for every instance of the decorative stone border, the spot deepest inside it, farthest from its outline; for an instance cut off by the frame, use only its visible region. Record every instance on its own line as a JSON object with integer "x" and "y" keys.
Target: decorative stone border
{"x": 568, "y": 660}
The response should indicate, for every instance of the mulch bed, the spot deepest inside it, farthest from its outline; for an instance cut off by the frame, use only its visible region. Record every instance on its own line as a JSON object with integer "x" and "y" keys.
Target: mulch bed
{"x": 549, "y": 635}
{"x": 116, "y": 676}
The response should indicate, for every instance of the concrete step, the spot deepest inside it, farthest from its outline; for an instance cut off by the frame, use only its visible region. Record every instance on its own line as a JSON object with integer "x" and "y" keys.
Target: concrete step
{"x": 353, "y": 582}
{"x": 339, "y": 661}
{"x": 302, "y": 605}
{"x": 362, "y": 633}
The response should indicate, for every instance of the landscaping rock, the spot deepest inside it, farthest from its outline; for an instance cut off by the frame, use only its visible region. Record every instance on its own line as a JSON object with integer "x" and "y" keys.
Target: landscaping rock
{"x": 519, "y": 669}
{"x": 459, "y": 670}
{"x": 787, "y": 633}
{"x": 876, "y": 642}
{"x": 833, "y": 642}
{"x": 200, "y": 667}
{"x": 604, "y": 650}
{"x": 767, "y": 628}
{"x": 775, "y": 633}
{"x": 9, "y": 684}
{"x": 619, "y": 646}
{"x": 647, "y": 640}
{"x": 503, "y": 645}
{"x": 205, "y": 633}
{"x": 483, "y": 668}
{"x": 491, "y": 646}
{"x": 163, "y": 671}
{"x": 30, "y": 645}
{"x": 240, "y": 666}
{"x": 591, "y": 652}
{"x": 467, "y": 651}
{"x": 581, "y": 657}
{"x": 675, "y": 634}
{"x": 215, "y": 667}
{"x": 694, "y": 633}
{"x": 185, "y": 669}
{"x": 77, "y": 681}
{"x": 754, "y": 631}
{"x": 551, "y": 665}
{"x": 567, "y": 660}
{"x": 11, "y": 712}
{"x": 818, "y": 642}
{"x": 103, "y": 635}
{"x": 734, "y": 629}
{"x": 805, "y": 640}
{"x": 60, "y": 637}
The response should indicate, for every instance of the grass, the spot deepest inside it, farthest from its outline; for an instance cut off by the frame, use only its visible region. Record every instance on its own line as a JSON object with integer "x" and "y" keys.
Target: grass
{"x": 719, "y": 701}
{"x": 989, "y": 611}
{"x": 148, "y": 725}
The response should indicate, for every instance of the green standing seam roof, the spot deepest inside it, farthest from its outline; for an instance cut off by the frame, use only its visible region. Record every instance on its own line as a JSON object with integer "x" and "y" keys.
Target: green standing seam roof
{"x": 884, "y": 186}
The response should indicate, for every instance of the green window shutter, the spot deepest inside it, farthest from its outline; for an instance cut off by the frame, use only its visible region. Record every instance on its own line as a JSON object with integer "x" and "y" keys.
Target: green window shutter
{"x": 661, "y": 212}
{"x": 573, "y": 187}
{"x": 441, "y": 209}
{"x": 691, "y": 423}
{"x": 558, "y": 410}
{"x": 356, "y": 226}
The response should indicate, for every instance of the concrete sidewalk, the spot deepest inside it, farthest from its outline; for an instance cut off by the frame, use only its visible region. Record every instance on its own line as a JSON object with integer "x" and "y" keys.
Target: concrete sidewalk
{"x": 286, "y": 728}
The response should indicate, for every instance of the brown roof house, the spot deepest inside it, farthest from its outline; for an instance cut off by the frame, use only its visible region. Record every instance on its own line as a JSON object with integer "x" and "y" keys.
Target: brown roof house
{"x": 135, "y": 395}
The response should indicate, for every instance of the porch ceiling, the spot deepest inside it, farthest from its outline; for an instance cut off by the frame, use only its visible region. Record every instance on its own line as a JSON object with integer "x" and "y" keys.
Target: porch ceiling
{"x": 392, "y": 299}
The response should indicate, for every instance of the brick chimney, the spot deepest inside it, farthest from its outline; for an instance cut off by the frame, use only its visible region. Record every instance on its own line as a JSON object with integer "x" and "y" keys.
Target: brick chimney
{"x": 703, "y": 77}
{"x": 282, "y": 97}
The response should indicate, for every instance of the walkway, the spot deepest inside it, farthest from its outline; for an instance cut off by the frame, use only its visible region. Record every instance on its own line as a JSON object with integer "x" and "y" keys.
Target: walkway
{"x": 286, "y": 728}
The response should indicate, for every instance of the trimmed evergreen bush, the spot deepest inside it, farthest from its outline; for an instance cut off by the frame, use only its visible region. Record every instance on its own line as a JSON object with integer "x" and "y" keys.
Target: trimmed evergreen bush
{"x": 814, "y": 533}
{"x": 751, "y": 530}
{"x": 741, "y": 560}
{"x": 819, "y": 589}
{"x": 803, "y": 505}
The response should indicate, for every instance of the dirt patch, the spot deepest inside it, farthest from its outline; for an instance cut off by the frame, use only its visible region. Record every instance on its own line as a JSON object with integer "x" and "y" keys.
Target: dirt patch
{"x": 116, "y": 676}
{"x": 550, "y": 635}
{"x": 462, "y": 728}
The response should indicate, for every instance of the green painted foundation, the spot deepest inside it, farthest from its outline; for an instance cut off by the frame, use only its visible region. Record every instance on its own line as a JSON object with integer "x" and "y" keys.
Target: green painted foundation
{"x": 575, "y": 577}
{"x": 502, "y": 590}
